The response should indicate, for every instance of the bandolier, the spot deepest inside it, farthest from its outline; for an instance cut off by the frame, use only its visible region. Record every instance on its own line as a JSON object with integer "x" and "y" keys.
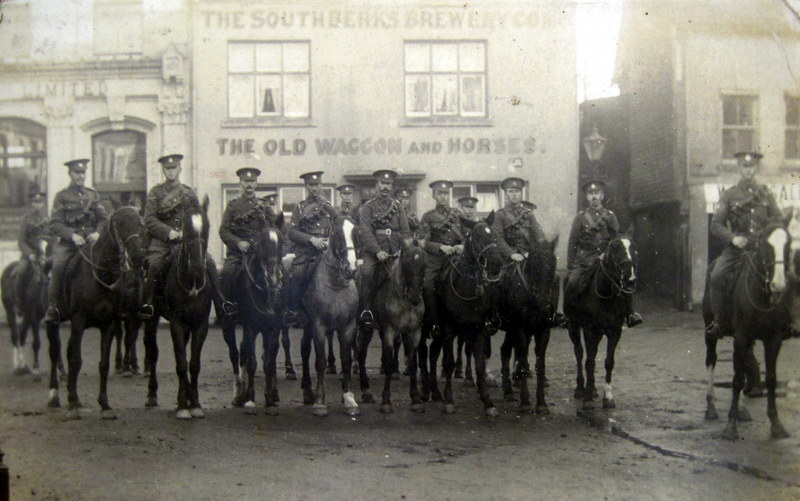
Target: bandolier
{"x": 77, "y": 215}
{"x": 403, "y": 195}
{"x": 516, "y": 225}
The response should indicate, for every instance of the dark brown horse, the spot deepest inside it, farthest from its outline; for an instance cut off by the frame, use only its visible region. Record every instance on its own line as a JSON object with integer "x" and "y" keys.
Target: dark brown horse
{"x": 24, "y": 294}
{"x": 527, "y": 301}
{"x": 600, "y": 310}
{"x": 90, "y": 299}
{"x": 760, "y": 306}
{"x": 260, "y": 312}
{"x": 398, "y": 312}
{"x": 185, "y": 302}
{"x": 331, "y": 305}
{"x": 464, "y": 303}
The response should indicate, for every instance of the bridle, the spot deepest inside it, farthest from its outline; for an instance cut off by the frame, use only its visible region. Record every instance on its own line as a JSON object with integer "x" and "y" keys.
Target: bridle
{"x": 269, "y": 286}
{"x": 182, "y": 248}
{"x": 614, "y": 274}
{"x": 336, "y": 259}
{"x": 753, "y": 268}
{"x": 125, "y": 262}
{"x": 484, "y": 279}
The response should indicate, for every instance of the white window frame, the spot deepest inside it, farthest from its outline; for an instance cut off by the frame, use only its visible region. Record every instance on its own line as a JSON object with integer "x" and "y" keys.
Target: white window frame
{"x": 792, "y": 128}
{"x": 738, "y": 127}
{"x": 473, "y": 190}
{"x": 258, "y": 71}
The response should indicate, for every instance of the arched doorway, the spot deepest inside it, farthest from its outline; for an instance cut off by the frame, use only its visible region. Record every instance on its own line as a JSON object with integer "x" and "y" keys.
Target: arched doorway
{"x": 23, "y": 160}
{"x": 119, "y": 163}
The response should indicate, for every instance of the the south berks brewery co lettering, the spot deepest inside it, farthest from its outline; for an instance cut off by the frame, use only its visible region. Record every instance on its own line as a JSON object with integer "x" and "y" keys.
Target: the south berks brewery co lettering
{"x": 377, "y": 146}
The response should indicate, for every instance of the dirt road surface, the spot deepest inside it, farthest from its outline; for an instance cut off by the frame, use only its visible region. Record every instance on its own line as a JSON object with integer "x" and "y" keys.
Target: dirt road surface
{"x": 654, "y": 445}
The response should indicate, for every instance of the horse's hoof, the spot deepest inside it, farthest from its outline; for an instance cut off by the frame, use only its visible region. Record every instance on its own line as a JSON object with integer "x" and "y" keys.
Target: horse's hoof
{"x": 436, "y": 396}
{"x": 331, "y": 369}
{"x": 291, "y": 375}
{"x": 320, "y": 410}
{"x": 510, "y": 397}
{"x": 449, "y": 409}
{"x": 729, "y": 433}
{"x": 744, "y": 415}
{"x": 73, "y": 414}
{"x": 526, "y": 409}
{"x": 491, "y": 382}
{"x": 352, "y": 411}
{"x": 54, "y": 402}
{"x": 711, "y": 414}
{"x": 458, "y": 374}
{"x": 609, "y": 403}
{"x": 542, "y": 409}
{"x": 238, "y": 400}
{"x": 22, "y": 371}
{"x": 271, "y": 410}
{"x": 183, "y": 414}
{"x": 468, "y": 381}
{"x": 197, "y": 413}
{"x": 418, "y": 407}
{"x": 308, "y": 397}
{"x": 108, "y": 414}
{"x": 151, "y": 402}
{"x": 250, "y": 408}
{"x": 424, "y": 396}
{"x": 777, "y": 431}
{"x": 491, "y": 412}
{"x": 274, "y": 396}
{"x": 367, "y": 398}
{"x": 386, "y": 409}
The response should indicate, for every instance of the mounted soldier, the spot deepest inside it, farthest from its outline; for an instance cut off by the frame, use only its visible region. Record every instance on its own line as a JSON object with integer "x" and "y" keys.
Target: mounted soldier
{"x": 591, "y": 231}
{"x": 515, "y": 224}
{"x": 309, "y": 230}
{"x": 76, "y": 219}
{"x": 347, "y": 208}
{"x": 403, "y": 195}
{"x": 443, "y": 232}
{"x": 743, "y": 211}
{"x": 32, "y": 229}
{"x": 382, "y": 227}
{"x": 468, "y": 207}
{"x": 243, "y": 221}
{"x": 163, "y": 224}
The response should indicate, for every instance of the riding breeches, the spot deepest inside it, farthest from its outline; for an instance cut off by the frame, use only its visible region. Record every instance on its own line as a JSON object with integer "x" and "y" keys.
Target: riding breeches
{"x": 434, "y": 266}
{"x": 720, "y": 274}
{"x": 299, "y": 276}
{"x": 157, "y": 259}
{"x": 230, "y": 272}
{"x": 367, "y": 279}
{"x": 61, "y": 254}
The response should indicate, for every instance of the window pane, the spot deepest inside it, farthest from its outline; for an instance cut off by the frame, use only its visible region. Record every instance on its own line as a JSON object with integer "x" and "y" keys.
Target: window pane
{"x": 290, "y": 196}
{"x": 745, "y": 140}
{"x": 240, "y": 96}
{"x": 728, "y": 143}
{"x": 461, "y": 191}
{"x": 472, "y": 95}
{"x": 118, "y": 157}
{"x": 418, "y": 95}
{"x": 240, "y": 57}
{"x": 268, "y": 57}
{"x": 444, "y": 57}
{"x": 471, "y": 57}
{"x": 268, "y": 94}
{"x": 295, "y": 56}
{"x": 792, "y": 110}
{"x": 793, "y": 144}
{"x": 728, "y": 110}
{"x": 487, "y": 198}
{"x": 296, "y": 92}
{"x": 418, "y": 57}
{"x": 745, "y": 111}
{"x": 445, "y": 94}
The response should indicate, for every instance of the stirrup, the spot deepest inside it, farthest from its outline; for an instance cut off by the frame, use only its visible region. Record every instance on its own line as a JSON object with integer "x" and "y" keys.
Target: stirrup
{"x": 560, "y": 320}
{"x": 146, "y": 312}
{"x": 229, "y": 308}
{"x": 713, "y": 331}
{"x": 435, "y": 331}
{"x": 634, "y": 319}
{"x": 366, "y": 317}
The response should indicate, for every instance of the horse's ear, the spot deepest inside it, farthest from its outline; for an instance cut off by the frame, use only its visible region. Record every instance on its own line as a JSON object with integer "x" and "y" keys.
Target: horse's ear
{"x": 204, "y": 204}
{"x": 490, "y": 218}
{"x": 280, "y": 221}
{"x": 408, "y": 242}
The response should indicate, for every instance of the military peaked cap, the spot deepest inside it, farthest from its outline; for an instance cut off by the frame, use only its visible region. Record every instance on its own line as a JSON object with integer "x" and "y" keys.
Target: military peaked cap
{"x": 79, "y": 165}
{"x": 402, "y": 193}
{"x": 594, "y": 185}
{"x": 441, "y": 186}
{"x": 748, "y": 156}
{"x": 272, "y": 198}
{"x": 248, "y": 173}
{"x": 173, "y": 160}
{"x": 385, "y": 175}
{"x": 512, "y": 182}
{"x": 35, "y": 194}
{"x": 310, "y": 177}
{"x": 346, "y": 189}
{"x": 468, "y": 201}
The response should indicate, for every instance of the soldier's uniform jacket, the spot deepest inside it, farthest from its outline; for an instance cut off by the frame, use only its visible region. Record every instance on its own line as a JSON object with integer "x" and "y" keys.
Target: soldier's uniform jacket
{"x": 382, "y": 225}
{"x": 744, "y": 209}
{"x": 310, "y": 218}
{"x": 163, "y": 208}
{"x": 346, "y": 210}
{"x": 441, "y": 226}
{"x": 76, "y": 209}
{"x": 34, "y": 225}
{"x": 244, "y": 219}
{"x": 591, "y": 231}
{"x": 517, "y": 230}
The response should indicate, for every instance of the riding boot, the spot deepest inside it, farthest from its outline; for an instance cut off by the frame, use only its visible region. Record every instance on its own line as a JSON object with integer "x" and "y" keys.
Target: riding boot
{"x": 53, "y": 292}
{"x": 223, "y": 308}
{"x": 147, "y": 311}
{"x": 365, "y": 303}
{"x": 293, "y": 299}
{"x": 429, "y": 298}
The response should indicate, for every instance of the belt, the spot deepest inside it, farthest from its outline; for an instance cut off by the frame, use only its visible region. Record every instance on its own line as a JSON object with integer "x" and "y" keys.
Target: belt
{"x": 384, "y": 231}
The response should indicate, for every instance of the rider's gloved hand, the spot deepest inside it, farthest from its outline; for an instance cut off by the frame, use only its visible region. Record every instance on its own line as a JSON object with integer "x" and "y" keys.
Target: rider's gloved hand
{"x": 93, "y": 236}
{"x": 174, "y": 235}
{"x": 382, "y": 256}
{"x": 447, "y": 249}
{"x": 319, "y": 243}
{"x": 517, "y": 257}
{"x": 739, "y": 241}
{"x": 78, "y": 240}
{"x": 243, "y": 245}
